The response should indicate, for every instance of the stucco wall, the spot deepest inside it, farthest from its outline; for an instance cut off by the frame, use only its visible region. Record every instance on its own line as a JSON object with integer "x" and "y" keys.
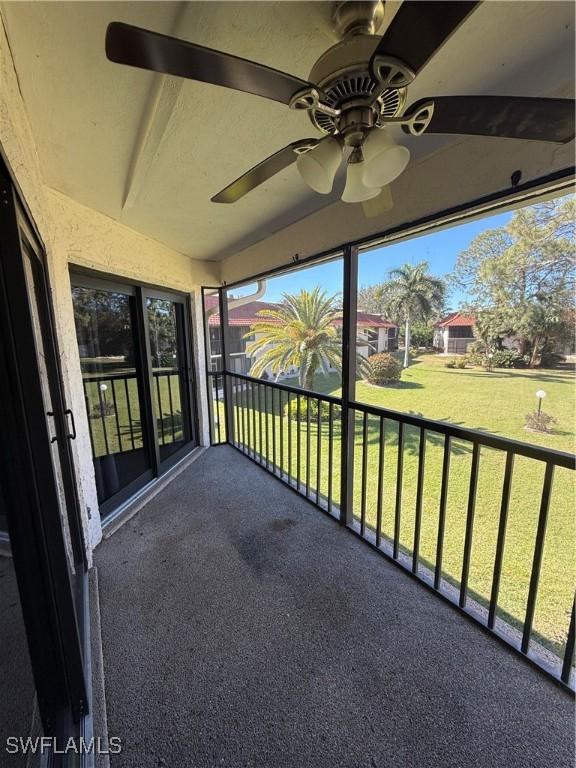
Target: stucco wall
{"x": 74, "y": 234}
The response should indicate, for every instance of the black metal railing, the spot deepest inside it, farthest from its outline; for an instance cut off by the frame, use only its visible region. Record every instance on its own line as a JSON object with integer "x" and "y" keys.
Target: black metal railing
{"x": 297, "y": 436}
{"x": 113, "y": 409}
{"x": 292, "y": 433}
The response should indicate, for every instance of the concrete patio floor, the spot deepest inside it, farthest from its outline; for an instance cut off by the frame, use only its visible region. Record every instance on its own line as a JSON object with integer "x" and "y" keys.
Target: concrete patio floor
{"x": 241, "y": 627}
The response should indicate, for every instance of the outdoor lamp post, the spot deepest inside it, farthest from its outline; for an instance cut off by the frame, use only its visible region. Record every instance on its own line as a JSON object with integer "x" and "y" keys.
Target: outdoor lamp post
{"x": 540, "y": 395}
{"x": 103, "y": 388}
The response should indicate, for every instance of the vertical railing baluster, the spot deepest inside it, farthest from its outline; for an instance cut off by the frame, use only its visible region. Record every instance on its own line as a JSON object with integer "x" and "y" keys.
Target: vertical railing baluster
{"x": 538, "y": 552}
{"x": 160, "y": 414}
{"x": 130, "y": 414}
{"x": 168, "y": 379}
{"x": 231, "y": 420}
{"x": 215, "y": 404}
{"x": 298, "y": 434}
{"x": 253, "y": 418}
{"x": 442, "y": 510}
{"x": 289, "y": 428}
{"x": 254, "y": 430}
{"x": 266, "y": 388}
{"x": 238, "y": 401}
{"x": 248, "y": 415}
{"x": 246, "y": 419}
{"x": 234, "y": 399}
{"x": 243, "y": 415}
{"x": 318, "y": 451}
{"x": 469, "y": 525}
{"x": 569, "y": 651}
{"x": 103, "y": 418}
{"x": 281, "y": 416}
{"x": 380, "y": 489}
{"x": 211, "y": 427}
{"x": 501, "y": 538}
{"x": 116, "y": 415}
{"x": 308, "y": 447}
{"x": 87, "y": 401}
{"x": 399, "y": 472}
{"x": 330, "y": 452}
{"x": 364, "y": 473}
{"x": 419, "y": 494}
{"x": 273, "y": 430}
{"x": 260, "y": 440}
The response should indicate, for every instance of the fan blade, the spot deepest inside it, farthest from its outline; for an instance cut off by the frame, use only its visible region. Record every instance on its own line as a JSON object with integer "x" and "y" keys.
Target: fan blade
{"x": 419, "y": 29}
{"x": 142, "y": 48}
{"x": 514, "y": 117}
{"x": 262, "y": 172}
{"x": 379, "y": 204}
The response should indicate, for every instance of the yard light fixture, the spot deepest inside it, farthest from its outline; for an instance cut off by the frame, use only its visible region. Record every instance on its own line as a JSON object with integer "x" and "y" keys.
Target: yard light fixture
{"x": 540, "y": 395}
{"x": 318, "y": 166}
{"x": 103, "y": 387}
{"x": 384, "y": 160}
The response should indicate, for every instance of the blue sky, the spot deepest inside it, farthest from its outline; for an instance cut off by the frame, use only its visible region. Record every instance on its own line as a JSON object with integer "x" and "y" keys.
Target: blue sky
{"x": 439, "y": 249}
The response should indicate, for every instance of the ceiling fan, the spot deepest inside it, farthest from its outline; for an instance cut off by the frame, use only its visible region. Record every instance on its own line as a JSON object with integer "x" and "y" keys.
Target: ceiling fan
{"x": 356, "y": 89}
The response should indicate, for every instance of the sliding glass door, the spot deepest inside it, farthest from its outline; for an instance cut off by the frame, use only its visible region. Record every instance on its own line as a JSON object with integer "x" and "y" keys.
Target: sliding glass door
{"x": 43, "y": 637}
{"x": 107, "y": 335}
{"x": 167, "y": 343}
{"x": 136, "y": 371}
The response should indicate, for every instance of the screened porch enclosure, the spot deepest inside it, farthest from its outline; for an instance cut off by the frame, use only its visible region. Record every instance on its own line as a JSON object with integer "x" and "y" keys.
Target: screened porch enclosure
{"x": 437, "y": 499}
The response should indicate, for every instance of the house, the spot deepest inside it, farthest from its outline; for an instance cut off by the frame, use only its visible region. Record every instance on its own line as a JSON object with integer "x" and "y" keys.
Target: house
{"x": 375, "y": 334}
{"x": 191, "y": 574}
{"x": 454, "y": 333}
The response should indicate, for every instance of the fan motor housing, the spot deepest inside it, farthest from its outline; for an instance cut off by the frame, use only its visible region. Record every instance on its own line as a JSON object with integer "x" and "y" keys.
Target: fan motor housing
{"x": 343, "y": 74}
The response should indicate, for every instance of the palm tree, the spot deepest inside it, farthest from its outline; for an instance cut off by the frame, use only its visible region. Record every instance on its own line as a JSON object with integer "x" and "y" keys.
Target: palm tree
{"x": 413, "y": 294}
{"x": 301, "y": 332}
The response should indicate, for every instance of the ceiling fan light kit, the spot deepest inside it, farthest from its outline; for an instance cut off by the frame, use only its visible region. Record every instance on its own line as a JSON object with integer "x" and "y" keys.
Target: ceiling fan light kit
{"x": 384, "y": 160}
{"x": 319, "y": 165}
{"x": 356, "y": 89}
{"x": 356, "y": 190}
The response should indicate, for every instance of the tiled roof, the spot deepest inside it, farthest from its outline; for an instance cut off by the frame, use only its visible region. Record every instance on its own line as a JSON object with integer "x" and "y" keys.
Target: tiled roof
{"x": 247, "y": 314}
{"x": 455, "y": 318}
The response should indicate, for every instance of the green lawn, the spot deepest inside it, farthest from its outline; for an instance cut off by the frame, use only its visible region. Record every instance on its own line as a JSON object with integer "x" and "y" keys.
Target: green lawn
{"x": 494, "y": 401}
{"x": 116, "y": 431}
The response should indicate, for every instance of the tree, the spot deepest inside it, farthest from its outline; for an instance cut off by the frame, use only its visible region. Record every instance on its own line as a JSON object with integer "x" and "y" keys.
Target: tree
{"x": 300, "y": 333}
{"x": 422, "y": 333}
{"x": 370, "y": 299}
{"x": 412, "y": 294}
{"x": 522, "y": 277}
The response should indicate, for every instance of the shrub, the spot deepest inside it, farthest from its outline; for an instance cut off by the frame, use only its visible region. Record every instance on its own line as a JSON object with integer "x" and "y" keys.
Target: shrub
{"x": 539, "y": 422}
{"x": 324, "y": 409}
{"x": 382, "y": 369}
{"x": 500, "y": 358}
{"x": 474, "y": 356}
{"x": 461, "y": 362}
{"x": 508, "y": 358}
{"x": 101, "y": 409}
{"x": 450, "y": 363}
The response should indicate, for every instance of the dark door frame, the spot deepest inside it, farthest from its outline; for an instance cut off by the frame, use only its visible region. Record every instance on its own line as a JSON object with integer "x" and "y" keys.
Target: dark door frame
{"x": 52, "y": 601}
{"x": 81, "y": 276}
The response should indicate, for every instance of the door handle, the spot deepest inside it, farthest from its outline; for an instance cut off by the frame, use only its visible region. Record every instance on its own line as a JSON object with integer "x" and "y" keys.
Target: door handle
{"x": 72, "y": 435}
{"x": 55, "y": 438}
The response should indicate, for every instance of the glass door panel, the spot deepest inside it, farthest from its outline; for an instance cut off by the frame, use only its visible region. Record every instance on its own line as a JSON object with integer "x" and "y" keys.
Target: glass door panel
{"x": 106, "y": 331}
{"x": 170, "y": 381}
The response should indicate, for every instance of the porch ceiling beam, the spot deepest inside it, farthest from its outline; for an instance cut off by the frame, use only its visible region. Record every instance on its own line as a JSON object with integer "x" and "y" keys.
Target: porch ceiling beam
{"x": 156, "y": 115}
{"x": 155, "y": 118}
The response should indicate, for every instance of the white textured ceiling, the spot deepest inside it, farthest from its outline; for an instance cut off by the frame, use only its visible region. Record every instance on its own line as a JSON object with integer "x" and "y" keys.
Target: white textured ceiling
{"x": 150, "y": 150}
